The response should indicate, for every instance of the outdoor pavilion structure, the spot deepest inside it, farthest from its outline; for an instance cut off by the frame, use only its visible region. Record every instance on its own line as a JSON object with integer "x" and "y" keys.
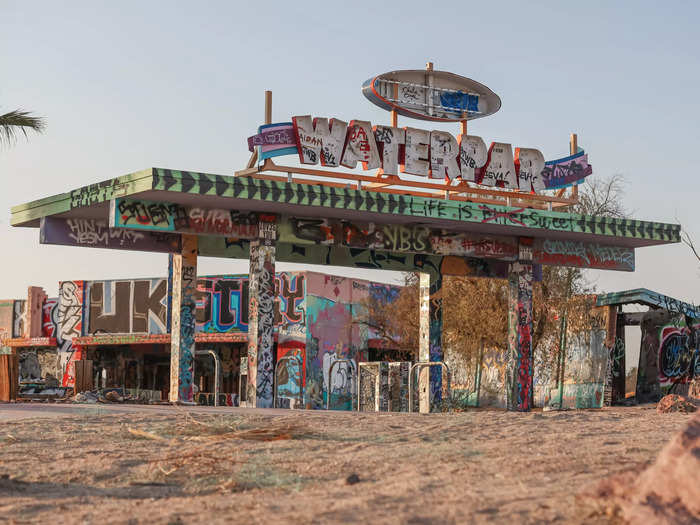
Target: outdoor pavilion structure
{"x": 188, "y": 214}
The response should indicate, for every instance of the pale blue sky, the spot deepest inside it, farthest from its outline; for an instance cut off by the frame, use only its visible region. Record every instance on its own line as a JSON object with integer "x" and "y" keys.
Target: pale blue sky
{"x": 129, "y": 85}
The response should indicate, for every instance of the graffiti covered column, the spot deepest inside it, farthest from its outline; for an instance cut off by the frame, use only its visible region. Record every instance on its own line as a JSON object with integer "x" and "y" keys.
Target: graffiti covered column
{"x": 183, "y": 275}
{"x": 430, "y": 349}
{"x": 520, "y": 365}
{"x": 261, "y": 314}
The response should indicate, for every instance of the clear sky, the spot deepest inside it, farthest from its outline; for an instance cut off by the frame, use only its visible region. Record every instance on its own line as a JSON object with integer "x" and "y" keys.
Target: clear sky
{"x": 129, "y": 85}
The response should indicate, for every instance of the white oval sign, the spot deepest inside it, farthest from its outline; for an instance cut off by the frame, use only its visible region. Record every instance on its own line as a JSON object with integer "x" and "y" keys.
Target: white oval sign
{"x": 431, "y": 95}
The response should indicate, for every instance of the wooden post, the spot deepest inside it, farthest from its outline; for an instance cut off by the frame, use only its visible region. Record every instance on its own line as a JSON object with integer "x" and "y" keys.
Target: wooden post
{"x": 394, "y": 113}
{"x": 573, "y": 149}
{"x": 83, "y": 376}
{"x": 183, "y": 272}
{"x": 429, "y": 91}
{"x": 268, "y": 107}
{"x": 9, "y": 376}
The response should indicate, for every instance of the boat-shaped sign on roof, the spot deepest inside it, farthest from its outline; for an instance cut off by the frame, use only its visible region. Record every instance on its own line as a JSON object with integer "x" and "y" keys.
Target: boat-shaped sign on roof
{"x": 425, "y": 94}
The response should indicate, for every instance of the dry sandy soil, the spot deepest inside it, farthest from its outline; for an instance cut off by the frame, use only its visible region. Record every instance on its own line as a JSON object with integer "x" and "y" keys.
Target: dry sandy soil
{"x": 177, "y": 465}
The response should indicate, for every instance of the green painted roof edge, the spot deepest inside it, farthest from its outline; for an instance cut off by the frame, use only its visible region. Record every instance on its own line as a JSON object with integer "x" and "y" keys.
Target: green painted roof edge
{"x": 128, "y": 184}
{"x": 341, "y": 198}
{"x": 648, "y": 298}
{"x": 419, "y": 207}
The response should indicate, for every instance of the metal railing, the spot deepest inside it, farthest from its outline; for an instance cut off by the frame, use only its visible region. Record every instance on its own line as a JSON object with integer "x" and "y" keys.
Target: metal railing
{"x": 330, "y": 374}
{"x": 274, "y": 391}
{"x": 423, "y": 364}
{"x": 366, "y": 364}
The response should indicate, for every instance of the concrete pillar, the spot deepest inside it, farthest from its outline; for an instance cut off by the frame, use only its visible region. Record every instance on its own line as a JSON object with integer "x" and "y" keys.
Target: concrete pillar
{"x": 182, "y": 273}
{"x": 430, "y": 349}
{"x": 610, "y": 344}
{"x": 261, "y": 322}
{"x": 520, "y": 362}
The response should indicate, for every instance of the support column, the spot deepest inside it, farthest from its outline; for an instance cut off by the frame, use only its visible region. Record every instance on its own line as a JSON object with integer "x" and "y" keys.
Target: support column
{"x": 182, "y": 273}
{"x": 610, "y": 343}
{"x": 430, "y": 349}
{"x": 520, "y": 362}
{"x": 261, "y": 322}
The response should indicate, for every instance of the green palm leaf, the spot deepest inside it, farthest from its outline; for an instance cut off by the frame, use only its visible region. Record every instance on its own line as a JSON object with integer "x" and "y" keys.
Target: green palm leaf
{"x": 14, "y": 122}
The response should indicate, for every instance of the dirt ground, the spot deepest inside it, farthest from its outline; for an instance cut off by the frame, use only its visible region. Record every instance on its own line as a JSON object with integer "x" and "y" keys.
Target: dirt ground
{"x": 177, "y": 465}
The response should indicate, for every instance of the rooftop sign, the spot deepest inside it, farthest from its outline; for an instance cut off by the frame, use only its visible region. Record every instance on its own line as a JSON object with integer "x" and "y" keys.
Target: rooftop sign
{"x": 434, "y": 154}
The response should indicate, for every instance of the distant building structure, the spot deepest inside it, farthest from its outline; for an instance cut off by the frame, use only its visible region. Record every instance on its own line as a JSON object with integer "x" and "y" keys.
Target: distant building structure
{"x": 122, "y": 327}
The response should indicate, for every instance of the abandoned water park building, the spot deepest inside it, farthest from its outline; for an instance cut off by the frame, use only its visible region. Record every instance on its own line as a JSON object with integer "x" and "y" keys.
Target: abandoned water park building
{"x": 122, "y": 328}
{"x": 476, "y": 212}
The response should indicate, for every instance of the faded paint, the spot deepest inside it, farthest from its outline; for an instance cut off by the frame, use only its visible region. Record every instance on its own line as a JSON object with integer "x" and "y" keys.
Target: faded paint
{"x": 127, "y": 306}
{"x": 184, "y": 282}
{"x": 670, "y": 355}
{"x": 261, "y": 324}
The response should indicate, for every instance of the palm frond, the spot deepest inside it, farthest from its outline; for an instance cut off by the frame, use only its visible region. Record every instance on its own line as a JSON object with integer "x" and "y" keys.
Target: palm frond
{"x": 14, "y": 122}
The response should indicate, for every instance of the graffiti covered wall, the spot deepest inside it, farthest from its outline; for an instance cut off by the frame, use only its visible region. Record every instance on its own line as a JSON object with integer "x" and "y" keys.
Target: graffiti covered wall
{"x": 127, "y": 306}
{"x": 333, "y": 307}
{"x": 222, "y": 304}
{"x": 669, "y": 357}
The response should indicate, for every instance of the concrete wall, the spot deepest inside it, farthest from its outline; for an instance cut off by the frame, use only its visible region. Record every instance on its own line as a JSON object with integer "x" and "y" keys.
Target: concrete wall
{"x": 669, "y": 357}
{"x": 141, "y": 306}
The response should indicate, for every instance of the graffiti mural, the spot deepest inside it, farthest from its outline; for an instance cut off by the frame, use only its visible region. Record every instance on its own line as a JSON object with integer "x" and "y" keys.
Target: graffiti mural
{"x": 583, "y": 255}
{"x": 585, "y": 369}
{"x": 223, "y": 303}
{"x": 291, "y": 372}
{"x": 183, "y": 275}
{"x": 120, "y": 307}
{"x": 261, "y": 324}
{"x": 19, "y": 318}
{"x": 170, "y": 217}
{"x": 290, "y": 313}
{"x": 332, "y": 336}
{"x": 421, "y": 239}
{"x": 670, "y": 354}
{"x": 49, "y": 319}
{"x": 96, "y": 233}
{"x": 70, "y": 325}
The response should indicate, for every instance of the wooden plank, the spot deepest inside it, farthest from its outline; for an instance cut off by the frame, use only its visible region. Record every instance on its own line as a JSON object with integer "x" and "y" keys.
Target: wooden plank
{"x": 83, "y": 375}
{"x": 9, "y": 377}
